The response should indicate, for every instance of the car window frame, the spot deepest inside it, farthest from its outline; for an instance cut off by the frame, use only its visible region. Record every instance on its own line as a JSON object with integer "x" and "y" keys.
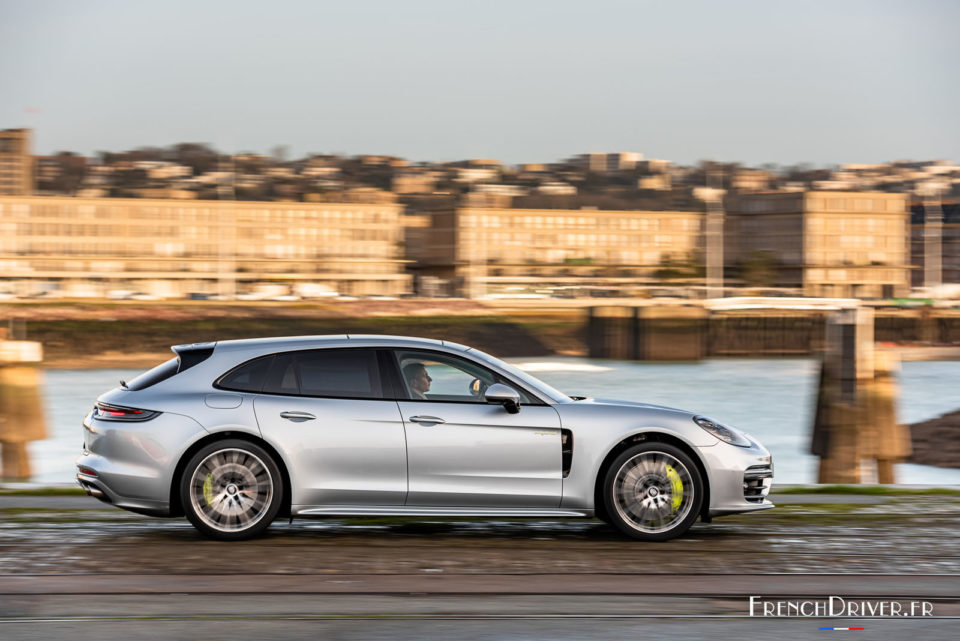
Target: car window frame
{"x": 400, "y": 388}
{"x": 387, "y": 385}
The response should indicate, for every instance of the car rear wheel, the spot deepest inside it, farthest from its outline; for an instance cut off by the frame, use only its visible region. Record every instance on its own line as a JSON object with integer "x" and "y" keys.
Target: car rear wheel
{"x": 231, "y": 490}
{"x": 653, "y": 492}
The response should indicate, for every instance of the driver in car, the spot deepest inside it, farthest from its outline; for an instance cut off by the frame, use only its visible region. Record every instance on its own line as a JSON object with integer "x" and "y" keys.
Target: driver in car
{"x": 418, "y": 381}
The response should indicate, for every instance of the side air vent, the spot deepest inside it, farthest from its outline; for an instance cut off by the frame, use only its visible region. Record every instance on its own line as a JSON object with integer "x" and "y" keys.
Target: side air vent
{"x": 566, "y": 441}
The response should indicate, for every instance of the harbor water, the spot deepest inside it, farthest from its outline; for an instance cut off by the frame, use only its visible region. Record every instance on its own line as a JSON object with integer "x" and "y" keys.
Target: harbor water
{"x": 771, "y": 399}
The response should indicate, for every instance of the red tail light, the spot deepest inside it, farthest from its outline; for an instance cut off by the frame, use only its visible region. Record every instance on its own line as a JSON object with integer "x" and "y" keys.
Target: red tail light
{"x": 106, "y": 412}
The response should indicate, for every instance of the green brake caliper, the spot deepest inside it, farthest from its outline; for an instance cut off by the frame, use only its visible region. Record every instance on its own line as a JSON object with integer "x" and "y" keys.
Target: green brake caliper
{"x": 208, "y": 489}
{"x": 676, "y": 488}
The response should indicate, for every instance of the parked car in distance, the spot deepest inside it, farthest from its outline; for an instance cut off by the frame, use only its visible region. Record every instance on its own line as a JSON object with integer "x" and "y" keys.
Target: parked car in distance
{"x": 236, "y": 433}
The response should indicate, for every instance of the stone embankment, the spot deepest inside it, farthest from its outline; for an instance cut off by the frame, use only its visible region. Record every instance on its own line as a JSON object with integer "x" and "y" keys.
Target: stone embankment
{"x": 937, "y": 441}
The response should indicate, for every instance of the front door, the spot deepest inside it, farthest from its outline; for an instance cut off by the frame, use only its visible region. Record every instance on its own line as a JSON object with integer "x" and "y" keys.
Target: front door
{"x": 463, "y": 452}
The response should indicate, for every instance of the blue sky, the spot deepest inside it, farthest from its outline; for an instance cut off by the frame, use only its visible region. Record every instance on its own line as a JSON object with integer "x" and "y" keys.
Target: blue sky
{"x": 748, "y": 81}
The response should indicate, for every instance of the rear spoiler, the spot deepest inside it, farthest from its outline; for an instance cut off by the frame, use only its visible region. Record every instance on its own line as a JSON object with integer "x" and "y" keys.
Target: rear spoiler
{"x": 192, "y": 353}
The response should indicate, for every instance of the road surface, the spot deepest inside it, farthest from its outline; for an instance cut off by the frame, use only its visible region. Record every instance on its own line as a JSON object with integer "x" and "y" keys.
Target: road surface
{"x": 73, "y": 568}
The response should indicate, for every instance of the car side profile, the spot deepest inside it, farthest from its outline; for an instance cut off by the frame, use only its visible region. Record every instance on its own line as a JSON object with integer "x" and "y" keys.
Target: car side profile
{"x": 236, "y": 433}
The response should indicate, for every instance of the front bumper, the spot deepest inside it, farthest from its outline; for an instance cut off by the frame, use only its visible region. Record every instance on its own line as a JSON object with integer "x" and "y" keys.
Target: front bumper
{"x": 740, "y": 478}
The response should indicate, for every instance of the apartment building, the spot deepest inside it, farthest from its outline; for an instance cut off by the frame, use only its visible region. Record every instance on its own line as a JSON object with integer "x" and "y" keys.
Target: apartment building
{"x": 825, "y": 243}
{"x": 16, "y": 163}
{"x": 173, "y": 248}
{"x": 606, "y": 162}
{"x": 948, "y": 215}
{"x": 483, "y": 251}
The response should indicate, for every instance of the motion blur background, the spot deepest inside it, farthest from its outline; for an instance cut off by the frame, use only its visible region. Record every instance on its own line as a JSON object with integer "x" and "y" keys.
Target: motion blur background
{"x": 173, "y": 173}
{"x": 748, "y": 209}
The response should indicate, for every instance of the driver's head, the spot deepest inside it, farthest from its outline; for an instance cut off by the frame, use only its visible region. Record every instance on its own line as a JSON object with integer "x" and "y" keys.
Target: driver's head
{"x": 417, "y": 377}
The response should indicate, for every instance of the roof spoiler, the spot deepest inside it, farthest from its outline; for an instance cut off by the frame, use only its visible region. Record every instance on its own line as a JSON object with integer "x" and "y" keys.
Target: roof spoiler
{"x": 192, "y": 353}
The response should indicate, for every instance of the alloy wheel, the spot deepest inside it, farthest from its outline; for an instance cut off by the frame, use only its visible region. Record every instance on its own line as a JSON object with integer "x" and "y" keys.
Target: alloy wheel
{"x": 231, "y": 490}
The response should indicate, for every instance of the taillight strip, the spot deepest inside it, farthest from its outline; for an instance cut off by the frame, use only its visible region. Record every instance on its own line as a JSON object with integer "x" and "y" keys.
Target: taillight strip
{"x": 107, "y": 412}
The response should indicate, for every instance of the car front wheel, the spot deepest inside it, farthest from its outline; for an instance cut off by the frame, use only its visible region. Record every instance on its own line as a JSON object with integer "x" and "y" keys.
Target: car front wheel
{"x": 231, "y": 490}
{"x": 653, "y": 492}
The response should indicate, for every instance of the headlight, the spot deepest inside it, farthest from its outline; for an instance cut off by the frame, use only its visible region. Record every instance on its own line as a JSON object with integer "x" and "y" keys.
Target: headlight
{"x": 722, "y": 432}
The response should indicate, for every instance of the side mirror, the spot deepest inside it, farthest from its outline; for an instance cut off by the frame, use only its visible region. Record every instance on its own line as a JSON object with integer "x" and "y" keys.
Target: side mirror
{"x": 500, "y": 394}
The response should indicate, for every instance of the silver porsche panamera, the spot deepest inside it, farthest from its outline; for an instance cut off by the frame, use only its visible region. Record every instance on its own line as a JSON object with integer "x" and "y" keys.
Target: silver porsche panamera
{"x": 236, "y": 433}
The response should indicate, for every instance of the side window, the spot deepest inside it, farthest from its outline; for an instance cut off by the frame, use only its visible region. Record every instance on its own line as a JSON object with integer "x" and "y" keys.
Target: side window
{"x": 249, "y": 377}
{"x": 351, "y": 373}
{"x": 336, "y": 373}
{"x": 429, "y": 376}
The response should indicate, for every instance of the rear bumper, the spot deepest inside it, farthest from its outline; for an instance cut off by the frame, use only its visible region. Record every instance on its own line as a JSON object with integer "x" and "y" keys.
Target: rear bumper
{"x": 96, "y": 488}
{"x": 131, "y": 464}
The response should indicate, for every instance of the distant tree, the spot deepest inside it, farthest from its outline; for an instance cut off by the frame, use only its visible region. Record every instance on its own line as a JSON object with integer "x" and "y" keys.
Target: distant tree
{"x": 759, "y": 269}
{"x": 686, "y": 268}
{"x": 201, "y": 157}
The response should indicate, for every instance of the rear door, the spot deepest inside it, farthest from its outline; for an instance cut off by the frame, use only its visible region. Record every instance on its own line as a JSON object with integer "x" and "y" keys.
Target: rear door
{"x": 463, "y": 452}
{"x": 327, "y": 410}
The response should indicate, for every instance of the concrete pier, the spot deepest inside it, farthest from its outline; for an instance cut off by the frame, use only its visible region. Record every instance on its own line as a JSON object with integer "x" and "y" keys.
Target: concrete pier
{"x": 21, "y": 406}
{"x": 856, "y": 434}
{"x": 692, "y": 331}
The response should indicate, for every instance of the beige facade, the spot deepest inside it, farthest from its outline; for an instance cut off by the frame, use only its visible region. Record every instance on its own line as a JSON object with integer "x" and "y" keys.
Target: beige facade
{"x": 89, "y": 246}
{"x": 485, "y": 251}
{"x": 835, "y": 244}
{"x": 16, "y": 163}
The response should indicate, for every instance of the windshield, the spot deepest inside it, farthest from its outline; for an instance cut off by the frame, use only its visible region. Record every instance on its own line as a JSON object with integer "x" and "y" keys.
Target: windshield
{"x": 553, "y": 394}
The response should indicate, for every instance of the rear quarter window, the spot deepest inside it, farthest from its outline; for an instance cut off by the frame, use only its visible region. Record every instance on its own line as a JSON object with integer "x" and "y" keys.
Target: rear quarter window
{"x": 248, "y": 377}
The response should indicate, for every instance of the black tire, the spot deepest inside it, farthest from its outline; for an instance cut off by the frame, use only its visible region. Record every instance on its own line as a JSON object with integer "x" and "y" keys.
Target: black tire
{"x": 231, "y": 490}
{"x": 652, "y": 492}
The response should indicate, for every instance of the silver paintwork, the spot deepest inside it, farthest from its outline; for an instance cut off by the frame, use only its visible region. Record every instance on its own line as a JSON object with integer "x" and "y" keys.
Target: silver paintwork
{"x": 348, "y": 456}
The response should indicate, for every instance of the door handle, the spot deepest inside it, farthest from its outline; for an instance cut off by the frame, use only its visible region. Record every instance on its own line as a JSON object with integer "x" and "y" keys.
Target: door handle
{"x": 426, "y": 419}
{"x": 297, "y": 416}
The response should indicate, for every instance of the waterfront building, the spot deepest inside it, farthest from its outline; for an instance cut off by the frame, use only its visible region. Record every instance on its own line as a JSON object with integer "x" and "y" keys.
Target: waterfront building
{"x": 174, "y": 248}
{"x": 949, "y": 241}
{"x": 572, "y": 252}
{"x": 834, "y": 244}
{"x": 16, "y": 163}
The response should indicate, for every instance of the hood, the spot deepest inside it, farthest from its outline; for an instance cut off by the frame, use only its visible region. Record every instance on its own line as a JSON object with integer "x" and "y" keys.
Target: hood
{"x": 621, "y": 403}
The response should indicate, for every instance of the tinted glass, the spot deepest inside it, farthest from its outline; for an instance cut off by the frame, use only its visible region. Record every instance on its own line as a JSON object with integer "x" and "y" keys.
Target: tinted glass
{"x": 249, "y": 377}
{"x": 337, "y": 373}
{"x": 186, "y": 358}
{"x": 282, "y": 375}
{"x": 151, "y": 377}
{"x": 347, "y": 373}
{"x": 428, "y": 376}
{"x": 522, "y": 377}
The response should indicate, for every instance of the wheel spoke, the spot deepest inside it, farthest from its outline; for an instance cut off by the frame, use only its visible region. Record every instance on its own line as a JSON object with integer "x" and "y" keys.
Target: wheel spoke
{"x": 242, "y": 489}
{"x": 653, "y": 492}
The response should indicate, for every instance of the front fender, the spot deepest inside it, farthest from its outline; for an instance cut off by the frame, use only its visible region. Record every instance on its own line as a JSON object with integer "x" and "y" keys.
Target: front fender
{"x": 597, "y": 429}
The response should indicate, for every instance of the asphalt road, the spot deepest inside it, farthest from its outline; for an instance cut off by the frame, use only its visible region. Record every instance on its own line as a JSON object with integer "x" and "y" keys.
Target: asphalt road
{"x": 70, "y": 566}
